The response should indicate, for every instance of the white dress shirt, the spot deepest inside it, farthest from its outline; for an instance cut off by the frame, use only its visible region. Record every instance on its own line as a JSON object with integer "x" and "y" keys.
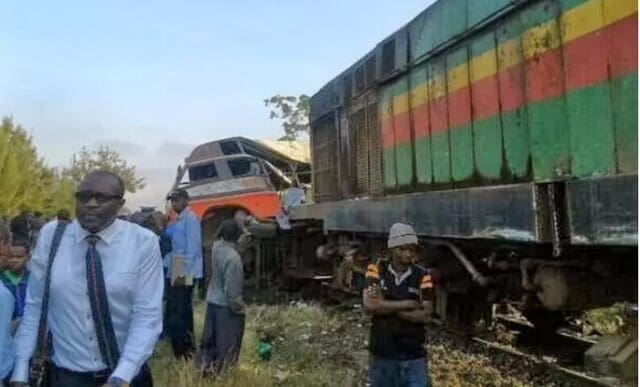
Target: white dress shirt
{"x": 133, "y": 277}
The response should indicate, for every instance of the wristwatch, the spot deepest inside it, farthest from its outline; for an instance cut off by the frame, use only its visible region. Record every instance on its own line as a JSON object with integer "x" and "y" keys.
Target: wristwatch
{"x": 117, "y": 382}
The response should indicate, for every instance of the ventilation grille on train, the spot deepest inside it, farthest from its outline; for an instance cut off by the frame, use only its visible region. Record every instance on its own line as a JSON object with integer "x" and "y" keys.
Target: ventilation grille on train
{"x": 324, "y": 158}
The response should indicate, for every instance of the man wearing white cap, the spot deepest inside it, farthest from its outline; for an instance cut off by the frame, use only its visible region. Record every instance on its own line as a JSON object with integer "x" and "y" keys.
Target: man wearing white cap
{"x": 399, "y": 297}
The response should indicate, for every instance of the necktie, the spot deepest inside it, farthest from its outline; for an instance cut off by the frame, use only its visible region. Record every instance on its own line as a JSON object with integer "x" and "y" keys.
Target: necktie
{"x": 100, "y": 305}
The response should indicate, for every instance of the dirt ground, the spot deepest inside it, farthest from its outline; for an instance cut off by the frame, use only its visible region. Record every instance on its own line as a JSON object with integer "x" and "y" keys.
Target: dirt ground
{"x": 327, "y": 346}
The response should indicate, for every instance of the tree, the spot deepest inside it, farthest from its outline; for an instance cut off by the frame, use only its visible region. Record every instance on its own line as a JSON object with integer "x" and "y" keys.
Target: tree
{"x": 294, "y": 113}
{"x": 60, "y": 195}
{"x": 106, "y": 159}
{"x": 26, "y": 182}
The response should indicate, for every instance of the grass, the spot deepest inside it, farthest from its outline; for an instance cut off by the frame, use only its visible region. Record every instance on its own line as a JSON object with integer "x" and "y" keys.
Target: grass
{"x": 298, "y": 358}
{"x": 313, "y": 346}
{"x": 611, "y": 320}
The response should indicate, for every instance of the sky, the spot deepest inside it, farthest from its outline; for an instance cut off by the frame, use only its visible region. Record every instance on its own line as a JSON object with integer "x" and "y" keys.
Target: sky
{"x": 152, "y": 79}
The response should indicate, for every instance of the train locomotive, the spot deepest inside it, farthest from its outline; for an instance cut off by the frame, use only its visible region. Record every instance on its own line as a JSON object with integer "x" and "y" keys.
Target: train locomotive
{"x": 505, "y": 133}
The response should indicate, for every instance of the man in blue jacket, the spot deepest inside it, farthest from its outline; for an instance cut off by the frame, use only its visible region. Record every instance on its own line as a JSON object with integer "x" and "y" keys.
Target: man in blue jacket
{"x": 186, "y": 259}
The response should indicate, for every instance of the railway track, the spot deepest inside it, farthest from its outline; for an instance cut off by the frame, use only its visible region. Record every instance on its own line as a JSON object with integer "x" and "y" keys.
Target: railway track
{"x": 561, "y": 353}
{"x": 557, "y": 357}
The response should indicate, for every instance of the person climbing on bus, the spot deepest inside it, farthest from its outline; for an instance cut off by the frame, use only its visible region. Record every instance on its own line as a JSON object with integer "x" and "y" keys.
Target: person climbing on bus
{"x": 293, "y": 196}
{"x": 399, "y": 296}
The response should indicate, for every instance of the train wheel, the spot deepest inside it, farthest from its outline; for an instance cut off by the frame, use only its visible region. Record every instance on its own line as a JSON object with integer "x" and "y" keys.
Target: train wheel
{"x": 463, "y": 313}
{"x": 545, "y": 322}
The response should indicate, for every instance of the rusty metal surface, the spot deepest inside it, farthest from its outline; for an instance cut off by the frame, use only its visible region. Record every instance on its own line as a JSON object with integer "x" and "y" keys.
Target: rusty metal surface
{"x": 604, "y": 210}
{"x": 601, "y": 211}
{"x": 361, "y": 156}
{"x": 376, "y": 185}
{"x": 491, "y": 212}
{"x": 323, "y": 153}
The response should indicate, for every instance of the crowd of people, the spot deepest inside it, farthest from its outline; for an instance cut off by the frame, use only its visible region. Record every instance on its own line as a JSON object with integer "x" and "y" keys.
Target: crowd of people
{"x": 84, "y": 302}
{"x": 81, "y": 301}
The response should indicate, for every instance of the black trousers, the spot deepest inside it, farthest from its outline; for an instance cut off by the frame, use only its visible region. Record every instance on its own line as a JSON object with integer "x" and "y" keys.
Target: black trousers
{"x": 61, "y": 377}
{"x": 179, "y": 320}
{"x": 221, "y": 338}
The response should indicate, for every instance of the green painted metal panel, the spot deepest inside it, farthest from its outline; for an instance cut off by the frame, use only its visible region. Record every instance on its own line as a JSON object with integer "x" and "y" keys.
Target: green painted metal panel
{"x": 457, "y": 57}
{"x": 455, "y": 18}
{"x": 389, "y": 162}
{"x": 487, "y": 138}
{"x": 483, "y": 43}
{"x": 487, "y": 132}
{"x": 404, "y": 164}
{"x": 419, "y": 32}
{"x": 461, "y": 138}
{"x": 436, "y": 22}
{"x": 386, "y": 127}
{"x": 515, "y": 128}
{"x": 402, "y": 130}
{"x": 443, "y": 20}
{"x": 589, "y": 109}
{"x": 540, "y": 12}
{"x": 423, "y": 160}
{"x": 569, "y": 4}
{"x": 549, "y": 138}
{"x": 440, "y": 150}
{"x": 549, "y": 132}
{"x": 459, "y": 110}
{"x": 441, "y": 162}
{"x": 420, "y": 124}
{"x": 479, "y": 10}
{"x": 418, "y": 76}
{"x": 624, "y": 97}
{"x": 591, "y": 131}
{"x": 516, "y": 141}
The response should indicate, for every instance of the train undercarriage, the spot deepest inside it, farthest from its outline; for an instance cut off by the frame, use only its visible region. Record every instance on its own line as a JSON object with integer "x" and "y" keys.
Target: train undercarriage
{"x": 548, "y": 250}
{"x": 537, "y": 261}
{"x": 470, "y": 276}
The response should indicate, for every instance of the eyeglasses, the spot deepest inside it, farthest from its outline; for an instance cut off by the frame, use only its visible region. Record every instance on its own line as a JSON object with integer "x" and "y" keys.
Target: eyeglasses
{"x": 99, "y": 197}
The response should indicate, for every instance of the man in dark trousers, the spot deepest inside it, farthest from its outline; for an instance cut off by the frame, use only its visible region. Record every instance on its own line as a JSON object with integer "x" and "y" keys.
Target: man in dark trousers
{"x": 224, "y": 320}
{"x": 105, "y": 294}
{"x": 399, "y": 296}
{"x": 185, "y": 266}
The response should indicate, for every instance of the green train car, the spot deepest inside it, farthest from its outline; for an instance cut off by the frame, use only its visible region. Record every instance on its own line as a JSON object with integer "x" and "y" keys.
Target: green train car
{"x": 505, "y": 132}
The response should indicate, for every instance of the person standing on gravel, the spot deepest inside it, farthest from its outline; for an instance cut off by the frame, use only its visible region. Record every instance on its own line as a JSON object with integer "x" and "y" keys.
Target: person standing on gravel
{"x": 399, "y": 296}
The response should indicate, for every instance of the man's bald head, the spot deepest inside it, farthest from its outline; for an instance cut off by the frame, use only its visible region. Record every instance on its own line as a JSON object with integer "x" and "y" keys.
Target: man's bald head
{"x": 104, "y": 177}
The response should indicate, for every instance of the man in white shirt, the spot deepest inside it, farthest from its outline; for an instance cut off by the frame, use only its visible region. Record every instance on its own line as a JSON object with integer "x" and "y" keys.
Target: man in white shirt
{"x": 105, "y": 297}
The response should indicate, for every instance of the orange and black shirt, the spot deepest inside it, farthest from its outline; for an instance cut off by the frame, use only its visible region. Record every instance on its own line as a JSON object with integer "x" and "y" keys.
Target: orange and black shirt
{"x": 392, "y": 337}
